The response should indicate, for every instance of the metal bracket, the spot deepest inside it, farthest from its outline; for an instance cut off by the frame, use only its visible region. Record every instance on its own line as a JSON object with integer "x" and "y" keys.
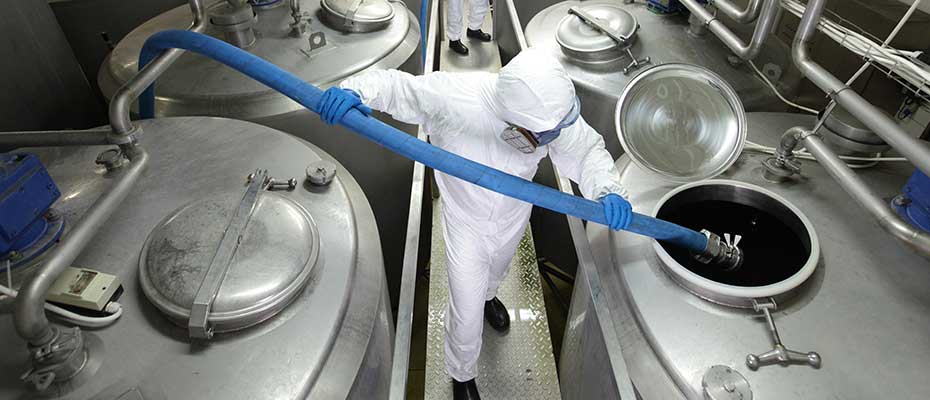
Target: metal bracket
{"x": 316, "y": 40}
{"x": 779, "y": 354}
{"x": 198, "y": 325}
{"x": 351, "y": 11}
{"x": 634, "y": 63}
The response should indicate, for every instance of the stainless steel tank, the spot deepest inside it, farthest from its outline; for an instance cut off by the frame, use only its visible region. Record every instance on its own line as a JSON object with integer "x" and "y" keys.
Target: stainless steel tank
{"x": 596, "y": 64}
{"x": 850, "y": 300}
{"x": 318, "y": 44}
{"x": 302, "y": 312}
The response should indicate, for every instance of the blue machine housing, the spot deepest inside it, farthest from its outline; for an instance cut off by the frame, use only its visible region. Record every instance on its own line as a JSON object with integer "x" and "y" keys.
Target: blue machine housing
{"x": 914, "y": 204}
{"x": 27, "y": 192}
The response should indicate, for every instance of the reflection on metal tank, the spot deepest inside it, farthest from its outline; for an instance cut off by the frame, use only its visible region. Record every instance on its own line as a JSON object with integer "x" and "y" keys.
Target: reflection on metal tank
{"x": 596, "y": 64}
{"x": 302, "y": 311}
{"x": 317, "y": 43}
{"x": 848, "y": 299}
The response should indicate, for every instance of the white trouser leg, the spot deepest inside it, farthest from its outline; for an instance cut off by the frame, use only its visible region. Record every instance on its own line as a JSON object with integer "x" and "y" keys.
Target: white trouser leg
{"x": 477, "y": 10}
{"x": 467, "y": 262}
{"x": 454, "y": 19}
{"x": 500, "y": 261}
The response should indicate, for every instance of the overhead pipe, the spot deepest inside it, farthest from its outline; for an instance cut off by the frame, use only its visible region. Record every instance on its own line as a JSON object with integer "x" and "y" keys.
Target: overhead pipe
{"x": 90, "y": 137}
{"x": 121, "y": 105}
{"x": 707, "y": 248}
{"x": 911, "y": 148}
{"x": 889, "y": 220}
{"x": 743, "y": 16}
{"x": 769, "y": 13}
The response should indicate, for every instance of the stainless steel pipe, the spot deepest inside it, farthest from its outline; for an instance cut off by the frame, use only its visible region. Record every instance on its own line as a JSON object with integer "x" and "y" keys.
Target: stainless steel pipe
{"x": 763, "y": 29}
{"x": 911, "y": 148}
{"x": 859, "y": 190}
{"x": 29, "y": 310}
{"x": 121, "y": 105}
{"x": 90, "y": 137}
{"x": 743, "y": 16}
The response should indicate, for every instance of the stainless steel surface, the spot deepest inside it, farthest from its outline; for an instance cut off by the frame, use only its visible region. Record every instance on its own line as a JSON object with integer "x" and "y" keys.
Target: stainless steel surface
{"x": 43, "y": 86}
{"x": 332, "y": 341}
{"x": 743, "y": 16}
{"x": 763, "y": 29}
{"x": 508, "y": 31}
{"x": 405, "y": 307}
{"x": 664, "y": 39}
{"x": 618, "y": 376}
{"x": 682, "y": 122}
{"x": 866, "y": 305}
{"x": 88, "y": 137}
{"x": 253, "y": 255}
{"x": 916, "y": 151}
{"x": 517, "y": 364}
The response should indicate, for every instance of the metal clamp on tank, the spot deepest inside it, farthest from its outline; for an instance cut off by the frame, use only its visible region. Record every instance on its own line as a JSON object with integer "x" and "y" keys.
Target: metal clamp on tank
{"x": 721, "y": 253}
{"x": 779, "y": 354}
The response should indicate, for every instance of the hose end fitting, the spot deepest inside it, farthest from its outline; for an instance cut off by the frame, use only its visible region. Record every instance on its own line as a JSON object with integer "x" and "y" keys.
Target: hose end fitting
{"x": 720, "y": 253}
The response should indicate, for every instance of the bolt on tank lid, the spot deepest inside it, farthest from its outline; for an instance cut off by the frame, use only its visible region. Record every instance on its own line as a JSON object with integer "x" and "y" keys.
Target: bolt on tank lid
{"x": 357, "y": 15}
{"x": 248, "y": 256}
{"x": 681, "y": 122}
{"x": 583, "y": 41}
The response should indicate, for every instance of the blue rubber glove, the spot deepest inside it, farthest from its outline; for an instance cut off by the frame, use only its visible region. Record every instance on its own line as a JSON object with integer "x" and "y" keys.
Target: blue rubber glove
{"x": 336, "y": 102}
{"x": 618, "y": 211}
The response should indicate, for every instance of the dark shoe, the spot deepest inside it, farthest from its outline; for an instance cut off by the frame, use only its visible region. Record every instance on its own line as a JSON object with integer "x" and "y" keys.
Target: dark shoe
{"x": 458, "y": 47}
{"x": 478, "y": 34}
{"x": 496, "y": 314}
{"x": 465, "y": 390}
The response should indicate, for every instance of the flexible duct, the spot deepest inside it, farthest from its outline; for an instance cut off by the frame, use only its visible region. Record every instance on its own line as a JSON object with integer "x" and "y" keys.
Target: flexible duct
{"x": 402, "y": 143}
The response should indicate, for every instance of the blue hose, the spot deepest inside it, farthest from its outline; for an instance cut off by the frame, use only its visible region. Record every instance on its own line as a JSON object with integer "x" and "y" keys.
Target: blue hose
{"x": 424, "y": 11}
{"x": 402, "y": 143}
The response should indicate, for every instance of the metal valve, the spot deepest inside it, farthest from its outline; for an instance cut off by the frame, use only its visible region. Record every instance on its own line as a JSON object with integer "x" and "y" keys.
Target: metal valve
{"x": 779, "y": 354}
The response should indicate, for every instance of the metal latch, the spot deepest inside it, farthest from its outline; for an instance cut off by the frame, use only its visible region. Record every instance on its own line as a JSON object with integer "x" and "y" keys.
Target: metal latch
{"x": 779, "y": 354}
{"x": 622, "y": 41}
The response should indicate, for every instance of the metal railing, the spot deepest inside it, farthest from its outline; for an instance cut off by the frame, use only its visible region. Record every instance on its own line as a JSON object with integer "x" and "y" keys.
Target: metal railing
{"x": 400, "y": 363}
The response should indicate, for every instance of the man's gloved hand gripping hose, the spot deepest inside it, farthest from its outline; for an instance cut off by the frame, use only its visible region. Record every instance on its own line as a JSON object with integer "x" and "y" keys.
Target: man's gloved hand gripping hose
{"x": 707, "y": 247}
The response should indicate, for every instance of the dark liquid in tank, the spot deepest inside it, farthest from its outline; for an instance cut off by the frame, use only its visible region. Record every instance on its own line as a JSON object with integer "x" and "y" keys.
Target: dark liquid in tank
{"x": 772, "y": 250}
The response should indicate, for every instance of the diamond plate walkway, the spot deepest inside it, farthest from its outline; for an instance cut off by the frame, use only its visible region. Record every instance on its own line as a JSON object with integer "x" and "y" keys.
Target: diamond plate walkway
{"x": 517, "y": 364}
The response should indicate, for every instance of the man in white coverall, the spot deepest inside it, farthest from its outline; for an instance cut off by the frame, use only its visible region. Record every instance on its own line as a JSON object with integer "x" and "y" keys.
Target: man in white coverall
{"x": 454, "y": 18}
{"x": 509, "y": 121}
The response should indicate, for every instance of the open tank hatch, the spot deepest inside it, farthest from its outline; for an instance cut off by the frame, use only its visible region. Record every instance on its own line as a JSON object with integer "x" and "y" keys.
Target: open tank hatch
{"x": 780, "y": 246}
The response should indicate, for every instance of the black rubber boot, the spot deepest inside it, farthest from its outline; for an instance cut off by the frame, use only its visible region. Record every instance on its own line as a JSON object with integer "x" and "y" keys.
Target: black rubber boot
{"x": 465, "y": 390}
{"x": 496, "y": 314}
{"x": 458, "y": 47}
{"x": 478, "y": 34}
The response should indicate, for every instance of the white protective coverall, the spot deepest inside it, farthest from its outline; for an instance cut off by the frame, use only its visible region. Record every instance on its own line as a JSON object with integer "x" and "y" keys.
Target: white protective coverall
{"x": 477, "y": 9}
{"x": 465, "y": 113}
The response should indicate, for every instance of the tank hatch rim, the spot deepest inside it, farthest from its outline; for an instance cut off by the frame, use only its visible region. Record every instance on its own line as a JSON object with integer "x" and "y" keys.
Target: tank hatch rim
{"x": 584, "y": 43}
{"x": 243, "y": 300}
{"x": 733, "y": 295}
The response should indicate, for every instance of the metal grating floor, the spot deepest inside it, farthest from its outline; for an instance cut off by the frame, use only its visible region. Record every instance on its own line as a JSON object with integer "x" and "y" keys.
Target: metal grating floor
{"x": 517, "y": 364}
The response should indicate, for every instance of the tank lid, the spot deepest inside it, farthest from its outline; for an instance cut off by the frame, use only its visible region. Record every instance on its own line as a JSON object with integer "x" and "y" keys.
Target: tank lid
{"x": 681, "y": 122}
{"x": 844, "y": 124}
{"x": 581, "y": 40}
{"x": 266, "y": 248}
{"x": 357, "y": 15}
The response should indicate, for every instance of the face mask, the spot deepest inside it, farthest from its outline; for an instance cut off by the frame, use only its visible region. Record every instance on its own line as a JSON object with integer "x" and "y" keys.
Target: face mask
{"x": 527, "y": 141}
